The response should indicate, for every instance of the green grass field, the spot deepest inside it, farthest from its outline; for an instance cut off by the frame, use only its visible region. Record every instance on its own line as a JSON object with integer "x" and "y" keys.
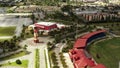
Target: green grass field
{"x": 1, "y": 40}
{"x": 37, "y": 58}
{"x": 7, "y": 31}
{"x": 24, "y": 64}
{"x": 106, "y": 52}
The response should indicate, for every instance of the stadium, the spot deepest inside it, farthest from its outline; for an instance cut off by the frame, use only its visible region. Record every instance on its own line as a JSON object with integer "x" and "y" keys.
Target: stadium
{"x": 78, "y": 54}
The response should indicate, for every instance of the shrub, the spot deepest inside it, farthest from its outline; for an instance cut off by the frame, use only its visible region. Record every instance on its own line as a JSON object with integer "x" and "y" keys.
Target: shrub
{"x": 55, "y": 66}
{"x": 63, "y": 60}
{"x": 18, "y": 61}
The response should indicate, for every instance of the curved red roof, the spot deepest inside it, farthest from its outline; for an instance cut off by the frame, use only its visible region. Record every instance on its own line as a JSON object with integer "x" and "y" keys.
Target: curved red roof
{"x": 78, "y": 56}
{"x": 75, "y": 53}
{"x": 92, "y": 33}
{"x": 84, "y": 61}
{"x": 90, "y": 63}
{"x": 80, "y": 43}
{"x": 80, "y": 63}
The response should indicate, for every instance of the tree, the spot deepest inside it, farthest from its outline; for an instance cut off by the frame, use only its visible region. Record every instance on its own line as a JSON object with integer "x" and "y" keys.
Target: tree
{"x": 66, "y": 8}
{"x": 12, "y": 46}
{"x": 33, "y": 18}
{"x": 49, "y": 43}
{"x": 3, "y": 47}
{"x": 14, "y": 37}
{"x": 10, "y": 11}
{"x": 63, "y": 41}
{"x": 55, "y": 66}
{"x": 18, "y": 61}
{"x": 25, "y": 48}
{"x": 6, "y": 44}
{"x": 22, "y": 36}
{"x": 9, "y": 62}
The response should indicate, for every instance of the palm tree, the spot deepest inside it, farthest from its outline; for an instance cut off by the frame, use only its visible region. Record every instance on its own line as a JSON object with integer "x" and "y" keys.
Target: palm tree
{"x": 76, "y": 2}
{"x": 25, "y": 48}
{"x": 33, "y": 18}
{"x": 5, "y": 46}
{"x": 68, "y": 2}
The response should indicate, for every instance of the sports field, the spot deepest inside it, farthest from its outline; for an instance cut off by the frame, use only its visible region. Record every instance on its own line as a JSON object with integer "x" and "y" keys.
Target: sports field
{"x": 106, "y": 52}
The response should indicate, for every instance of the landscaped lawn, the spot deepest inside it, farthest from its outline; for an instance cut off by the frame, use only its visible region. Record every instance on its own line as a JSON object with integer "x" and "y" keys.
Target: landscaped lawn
{"x": 3, "y": 39}
{"x": 106, "y": 52}
{"x": 7, "y": 31}
{"x": 45, "y": 59}
{"x": 24, "y": 64}
{"x": 37, "y": 58}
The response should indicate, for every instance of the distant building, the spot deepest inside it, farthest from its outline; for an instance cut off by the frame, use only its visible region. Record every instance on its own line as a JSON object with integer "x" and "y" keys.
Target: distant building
{"x": 46, "y": 26}
{"x": 89, "y": 1}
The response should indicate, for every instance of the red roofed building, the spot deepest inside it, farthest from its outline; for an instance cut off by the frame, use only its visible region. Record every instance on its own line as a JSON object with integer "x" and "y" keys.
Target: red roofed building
{"x": 92, "y": 34}
{"x": 80, "y": 43}
{"x": 99, "y": 66}
{"x": 90, "y": 62}
{"x": 84, "y": 62}
{"x": 84, "y": 40}
{"x": 80, "y": 63}
{"x": 47, "y": 26}
{"x": 78, "y": 55}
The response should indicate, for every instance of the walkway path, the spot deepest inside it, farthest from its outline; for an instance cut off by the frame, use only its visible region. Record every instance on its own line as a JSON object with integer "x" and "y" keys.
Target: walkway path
{"x": 57, "y": 51}
{"x": 68, "y": 60}
{"x": 5, "y": 37}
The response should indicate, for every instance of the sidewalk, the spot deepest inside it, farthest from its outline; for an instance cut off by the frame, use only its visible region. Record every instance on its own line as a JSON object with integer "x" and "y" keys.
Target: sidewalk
{"x": 68, "y": 60}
